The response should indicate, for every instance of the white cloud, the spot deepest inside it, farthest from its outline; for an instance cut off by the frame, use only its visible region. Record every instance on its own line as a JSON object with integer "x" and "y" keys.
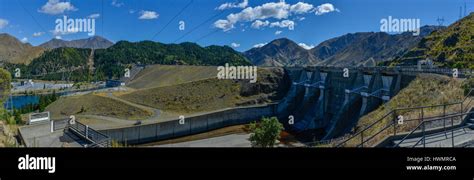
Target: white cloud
{"x": 24, "y": 40}
{"x": 38, "y": 34}
{"x": 115, "y": 3}
{"x": 131, "y": 11}
{"x": 303, "y": 45}
{"x": 259, "y": 45}
{"x": 284, "y": 24}
{"x": 3, "y": 23}
{"x": 278, "y": 32}
{"x": 259, "y": 24}
{"x": 54, "y": 7}
{"x": 325, "y": 8}
{"x": 225, "y": 25}
{"x": 268, "y": 10}
{"x": 235, "y": 45}
{"x": 58, "y": 37}
{"x": 272, "y": 10}
{"x": 225, "y": 6}
{"x": 94, "y": 16}
{"x": 148, "y": 15}
{"x": 301, "y": 8}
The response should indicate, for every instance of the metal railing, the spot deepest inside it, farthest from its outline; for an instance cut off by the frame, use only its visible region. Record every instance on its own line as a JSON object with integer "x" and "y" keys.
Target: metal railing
{"x": 96, "y": 138}
{"x": 422, "y": 127}
{"x": 394, "y": 121}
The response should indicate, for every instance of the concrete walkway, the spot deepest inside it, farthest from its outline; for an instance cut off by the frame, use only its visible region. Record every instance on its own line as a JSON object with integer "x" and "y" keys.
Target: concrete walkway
{"x": 441, "y": 139}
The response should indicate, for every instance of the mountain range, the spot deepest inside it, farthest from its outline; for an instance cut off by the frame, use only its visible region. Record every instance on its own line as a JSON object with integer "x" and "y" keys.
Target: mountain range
{"x": 448, "y": 46}
{"x": 354, "y": 49}
{"x": 95, "y": 42}
{"x": 12, "y": 50}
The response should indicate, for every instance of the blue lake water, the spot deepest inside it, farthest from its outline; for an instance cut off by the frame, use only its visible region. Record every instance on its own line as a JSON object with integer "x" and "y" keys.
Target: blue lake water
{"x": 20, "y": 101}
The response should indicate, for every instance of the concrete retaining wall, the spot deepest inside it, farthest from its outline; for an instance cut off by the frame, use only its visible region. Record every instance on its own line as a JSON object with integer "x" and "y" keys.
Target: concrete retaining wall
{"x": 193, "y": 125}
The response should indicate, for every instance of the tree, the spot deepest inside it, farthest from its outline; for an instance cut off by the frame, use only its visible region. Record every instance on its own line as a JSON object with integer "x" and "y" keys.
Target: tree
{"x": 265, "y": 133}
{"x": 17, "y": 115}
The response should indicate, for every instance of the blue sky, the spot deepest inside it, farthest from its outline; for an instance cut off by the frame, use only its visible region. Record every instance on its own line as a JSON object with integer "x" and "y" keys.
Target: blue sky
{"x": 134, "y": 20}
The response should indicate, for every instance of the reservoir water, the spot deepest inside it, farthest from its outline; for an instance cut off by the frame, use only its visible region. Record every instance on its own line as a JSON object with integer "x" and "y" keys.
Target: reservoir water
{"x": 20, "y": 101}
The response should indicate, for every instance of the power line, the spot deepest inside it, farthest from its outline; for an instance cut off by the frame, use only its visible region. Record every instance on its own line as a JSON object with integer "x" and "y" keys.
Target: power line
{"x": 207, "y": 35}
{"x": 32, "y": 17}
{"x": 172, "y": 19}
{"x": 198, "y": 26}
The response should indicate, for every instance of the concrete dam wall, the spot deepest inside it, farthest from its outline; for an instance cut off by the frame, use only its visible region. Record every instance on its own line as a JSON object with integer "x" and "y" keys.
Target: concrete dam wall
{"x": 192, "y": 125}
{"x": 328, "y": 99}
{"x": 333, "y": 99}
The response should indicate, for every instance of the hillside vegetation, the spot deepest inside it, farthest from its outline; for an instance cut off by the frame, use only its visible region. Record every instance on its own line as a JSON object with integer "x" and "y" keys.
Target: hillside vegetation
{"x": 450, "y": 47}
{"x": 6, "y": 139}
{"x": 112, "y": 61}
{"x": 57, "y": 64}
{"x": 70, "y": 64}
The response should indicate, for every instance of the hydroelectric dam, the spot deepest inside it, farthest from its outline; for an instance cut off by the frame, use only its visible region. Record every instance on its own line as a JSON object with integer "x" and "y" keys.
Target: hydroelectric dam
{"x": 331, "y": 100}
{"x": 326, "y": 100}
{"x": 323, "y": 103}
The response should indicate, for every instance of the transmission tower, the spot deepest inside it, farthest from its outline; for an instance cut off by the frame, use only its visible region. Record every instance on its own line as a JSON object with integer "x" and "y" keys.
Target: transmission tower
{"x": 440, "y": 21}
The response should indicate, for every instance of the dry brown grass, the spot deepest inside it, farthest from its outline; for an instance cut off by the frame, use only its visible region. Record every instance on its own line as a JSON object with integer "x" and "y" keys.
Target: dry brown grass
{"x": 90, "y": 104}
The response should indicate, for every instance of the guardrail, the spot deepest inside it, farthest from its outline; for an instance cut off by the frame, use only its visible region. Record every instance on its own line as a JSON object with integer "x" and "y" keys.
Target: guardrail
{"x": 422, "y": 127}
{"x": 96, "y": 138}
{"x": 394, "y": 120}
{"x": 462, "y": 73}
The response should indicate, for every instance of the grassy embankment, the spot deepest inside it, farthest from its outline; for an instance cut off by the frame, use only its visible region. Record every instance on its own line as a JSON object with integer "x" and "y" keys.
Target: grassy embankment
{"x": 91, "y": 104}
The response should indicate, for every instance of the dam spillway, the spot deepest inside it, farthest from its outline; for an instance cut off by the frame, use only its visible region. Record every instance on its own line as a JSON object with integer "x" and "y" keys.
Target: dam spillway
{"x": 332, "y": 100}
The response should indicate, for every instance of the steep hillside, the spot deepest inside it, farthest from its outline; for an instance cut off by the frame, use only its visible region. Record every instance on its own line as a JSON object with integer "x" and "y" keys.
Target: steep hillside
{"x": 451, "y": 47}
{"x": 167, "y": 75}
{"x": 112, "y": 60}
{"x": 57, "y": 64}
{"x": 13, "y": 50}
